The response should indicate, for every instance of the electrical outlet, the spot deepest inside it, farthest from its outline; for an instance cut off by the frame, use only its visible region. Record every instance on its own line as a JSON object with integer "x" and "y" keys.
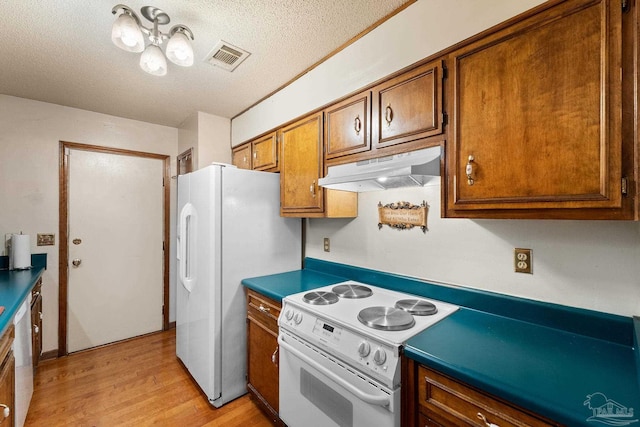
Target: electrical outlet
{"x": 326, "y": 245}
{"x": 523, "y": 260}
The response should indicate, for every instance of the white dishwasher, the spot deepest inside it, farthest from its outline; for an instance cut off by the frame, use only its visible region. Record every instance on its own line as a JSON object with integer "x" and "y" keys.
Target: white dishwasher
{"x": 24, "y": 362}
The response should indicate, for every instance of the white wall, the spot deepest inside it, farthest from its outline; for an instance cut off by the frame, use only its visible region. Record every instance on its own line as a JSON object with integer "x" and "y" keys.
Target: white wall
{"x": 214, "y": 135}
{"x": 587, "y": 264}
{"x": 188, "y": 137}
{"x": 29, "y": 147}
{"x": 209, "y": 136}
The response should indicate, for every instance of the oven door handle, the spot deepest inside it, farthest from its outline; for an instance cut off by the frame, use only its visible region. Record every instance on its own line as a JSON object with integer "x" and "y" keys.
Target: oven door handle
{"x": 369, "y": 398}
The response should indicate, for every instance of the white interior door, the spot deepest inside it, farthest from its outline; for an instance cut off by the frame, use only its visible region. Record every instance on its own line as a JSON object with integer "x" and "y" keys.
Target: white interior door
{"x": 115, "y": 237}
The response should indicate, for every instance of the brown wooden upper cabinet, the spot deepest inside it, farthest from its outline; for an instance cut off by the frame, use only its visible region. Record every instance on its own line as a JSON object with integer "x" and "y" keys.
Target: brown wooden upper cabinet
{"x": 302, "y": 164}
{"x": 408, "y": 107}
{"x": 348, "y": 126}
{"x": 241, "y": 156}
{"x": 401, "y": 114}
{"x": 265, "y": 152}
{"x": 537, "y": 118}
{"x": 259, "y": 154}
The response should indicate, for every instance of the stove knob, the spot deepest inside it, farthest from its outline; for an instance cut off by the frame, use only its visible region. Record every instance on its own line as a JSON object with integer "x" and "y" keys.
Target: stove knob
{"x": 379, "y": 356}
{"x": 364, "y": 349}
{"x": 288, "y": 314}
{"x": 297, "y": 318}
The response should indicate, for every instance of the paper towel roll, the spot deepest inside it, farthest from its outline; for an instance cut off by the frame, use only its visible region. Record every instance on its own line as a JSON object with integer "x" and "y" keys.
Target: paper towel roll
{"x": 20, "y": 251}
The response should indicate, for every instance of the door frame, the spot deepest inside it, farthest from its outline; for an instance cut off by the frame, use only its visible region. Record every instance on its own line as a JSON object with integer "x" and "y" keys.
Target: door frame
{"x": 63, "y": 256}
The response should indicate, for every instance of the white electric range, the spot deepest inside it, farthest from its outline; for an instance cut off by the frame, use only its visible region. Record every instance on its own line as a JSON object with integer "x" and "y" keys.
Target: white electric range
{"x": 340, "y": 351}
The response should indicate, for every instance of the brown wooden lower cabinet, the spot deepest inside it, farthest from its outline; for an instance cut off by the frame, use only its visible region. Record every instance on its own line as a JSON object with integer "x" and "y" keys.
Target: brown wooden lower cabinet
{"x": 7, "y": 379}
{"x": 262, "y": 353}
{"x": 432, "y": 399}
{"x": 36, "y": 322}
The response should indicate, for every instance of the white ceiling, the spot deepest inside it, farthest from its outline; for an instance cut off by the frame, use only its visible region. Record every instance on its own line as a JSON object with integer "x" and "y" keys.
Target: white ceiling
{"x": 60, "y": 51}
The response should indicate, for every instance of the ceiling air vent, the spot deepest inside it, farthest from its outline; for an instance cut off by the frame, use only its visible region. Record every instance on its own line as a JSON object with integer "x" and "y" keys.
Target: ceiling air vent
{"x": 226, "y": 55}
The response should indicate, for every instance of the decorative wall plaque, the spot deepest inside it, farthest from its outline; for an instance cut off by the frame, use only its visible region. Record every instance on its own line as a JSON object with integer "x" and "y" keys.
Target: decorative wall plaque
{"x": 403, "y": 215}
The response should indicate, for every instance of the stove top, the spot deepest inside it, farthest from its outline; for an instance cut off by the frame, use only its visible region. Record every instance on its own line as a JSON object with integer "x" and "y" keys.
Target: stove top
{"x": 364, "y": 326}
{"x": 387, "y": 315}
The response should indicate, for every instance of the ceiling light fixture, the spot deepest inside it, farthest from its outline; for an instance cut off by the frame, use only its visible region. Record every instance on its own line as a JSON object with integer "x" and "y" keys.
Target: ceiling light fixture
{"x": 127, "y": 34}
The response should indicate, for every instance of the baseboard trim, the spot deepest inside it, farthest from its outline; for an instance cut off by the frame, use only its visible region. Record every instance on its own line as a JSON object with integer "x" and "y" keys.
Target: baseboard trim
{"x": 51, "y": 354}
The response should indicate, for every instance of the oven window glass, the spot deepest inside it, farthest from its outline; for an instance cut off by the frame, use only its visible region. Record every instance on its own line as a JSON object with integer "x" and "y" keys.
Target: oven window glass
{"x": 332, "y": 404}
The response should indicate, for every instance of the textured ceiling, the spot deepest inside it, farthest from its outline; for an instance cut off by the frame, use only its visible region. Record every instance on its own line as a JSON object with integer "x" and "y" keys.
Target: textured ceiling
{"x": 61, "y": 52}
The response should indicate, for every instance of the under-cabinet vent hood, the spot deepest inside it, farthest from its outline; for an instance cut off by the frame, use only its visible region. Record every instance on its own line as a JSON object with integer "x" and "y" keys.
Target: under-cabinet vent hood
{"x": 412, "y": 169}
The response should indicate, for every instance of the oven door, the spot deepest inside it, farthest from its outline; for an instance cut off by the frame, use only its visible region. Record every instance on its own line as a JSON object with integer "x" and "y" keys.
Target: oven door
{"x": 316, "y": 390}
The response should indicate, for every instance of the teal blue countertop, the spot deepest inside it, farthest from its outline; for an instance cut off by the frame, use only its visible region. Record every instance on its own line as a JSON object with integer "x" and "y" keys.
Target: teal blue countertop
{"x": 543, "y": 357}
{"x": 15, "y": 286}
{"x": 549, "y": 371}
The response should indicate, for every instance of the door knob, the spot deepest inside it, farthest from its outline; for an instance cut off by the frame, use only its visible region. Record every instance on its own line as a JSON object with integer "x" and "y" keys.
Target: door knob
{"x": 76, "y": 262}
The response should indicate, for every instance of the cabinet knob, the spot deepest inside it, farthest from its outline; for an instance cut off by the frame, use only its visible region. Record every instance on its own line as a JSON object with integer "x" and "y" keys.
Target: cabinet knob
{"x": 264, "y": 309}
{"x": 6, "y": 411}
{"x": 274, "y": 356}
{"x": 312, "y": 188}
{"x": 388, "y": 114}
{"x": 469, "y": 170}
{"x": 76, "y": 262}
{"x": 357, "y": 125}
{"x": 36, "y": 329}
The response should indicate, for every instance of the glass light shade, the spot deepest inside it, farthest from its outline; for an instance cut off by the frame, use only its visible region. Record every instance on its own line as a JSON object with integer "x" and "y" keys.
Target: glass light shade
{"x": 179, "y": 50}
{"x": 153, "y": 61}
{"x": 126, "y": 34}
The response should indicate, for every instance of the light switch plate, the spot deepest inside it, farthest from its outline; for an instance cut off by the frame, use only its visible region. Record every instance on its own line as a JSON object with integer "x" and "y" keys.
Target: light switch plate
{"x": 46, "y": 239}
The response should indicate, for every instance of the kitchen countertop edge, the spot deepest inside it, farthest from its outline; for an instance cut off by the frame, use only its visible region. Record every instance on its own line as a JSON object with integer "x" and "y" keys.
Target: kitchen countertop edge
{"x": 12, "y": 299}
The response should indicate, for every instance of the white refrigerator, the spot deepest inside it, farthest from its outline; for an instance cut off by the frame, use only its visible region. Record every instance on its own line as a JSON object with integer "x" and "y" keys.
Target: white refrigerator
{"x": 229, "y": 228}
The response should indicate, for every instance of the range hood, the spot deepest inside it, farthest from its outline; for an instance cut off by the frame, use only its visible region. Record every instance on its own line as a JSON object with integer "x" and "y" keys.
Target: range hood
{"x": 412, "y": 169}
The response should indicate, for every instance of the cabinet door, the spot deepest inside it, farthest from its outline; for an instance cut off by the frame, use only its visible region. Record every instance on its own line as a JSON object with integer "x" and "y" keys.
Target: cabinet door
{"x": 262, "y": 360}
{"x": 241, "y": 156}
{"x": 7, "y": 377}
{"x": 7, "y": 393}
{"x": 262, "y": 352}
{"x": 347, "y": 126}
{"x": 265, "y": 152}
{"x": 36, "y": 336}
{"x": 537, "y": 113}
{"x": 409, "y": 107}
{"x": 301, "y": 167}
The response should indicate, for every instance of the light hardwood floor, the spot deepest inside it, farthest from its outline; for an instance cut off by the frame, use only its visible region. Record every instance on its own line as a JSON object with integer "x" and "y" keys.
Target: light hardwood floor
{"x": 139, "y": 382}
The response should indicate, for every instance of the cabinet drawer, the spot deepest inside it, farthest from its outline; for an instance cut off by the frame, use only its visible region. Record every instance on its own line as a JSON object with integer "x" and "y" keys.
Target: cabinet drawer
{"x": 263, "y": 310}
{"x": 451, "y": 403}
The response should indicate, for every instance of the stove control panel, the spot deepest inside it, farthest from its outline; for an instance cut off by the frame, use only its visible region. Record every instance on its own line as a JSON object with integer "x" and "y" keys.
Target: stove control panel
{"x": 372, "y": 357}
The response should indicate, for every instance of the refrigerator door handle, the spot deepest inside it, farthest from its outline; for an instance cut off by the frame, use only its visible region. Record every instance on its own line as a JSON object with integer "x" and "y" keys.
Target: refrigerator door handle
{"x": 186, "y": 246}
